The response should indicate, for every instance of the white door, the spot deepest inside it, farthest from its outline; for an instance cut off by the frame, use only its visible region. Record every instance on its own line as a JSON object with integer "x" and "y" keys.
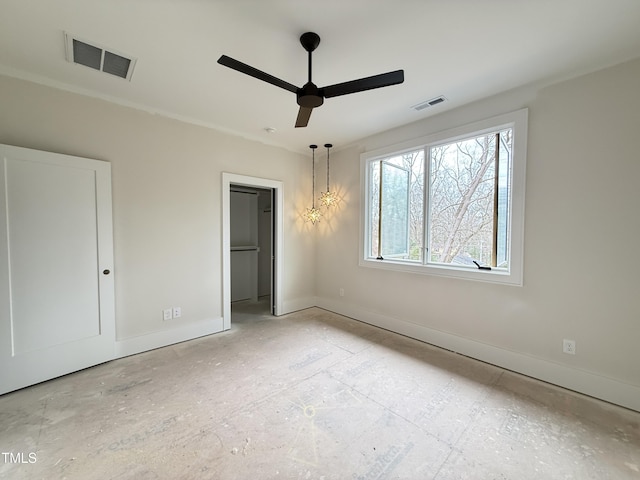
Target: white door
{"x": 56, "y": 261}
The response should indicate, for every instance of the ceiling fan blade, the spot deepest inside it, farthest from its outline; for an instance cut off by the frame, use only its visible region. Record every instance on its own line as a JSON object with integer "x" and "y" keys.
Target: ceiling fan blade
{"x": 303, "y": 116}
{"x": 362, "y": 84}
{"x": 254, "y": 72}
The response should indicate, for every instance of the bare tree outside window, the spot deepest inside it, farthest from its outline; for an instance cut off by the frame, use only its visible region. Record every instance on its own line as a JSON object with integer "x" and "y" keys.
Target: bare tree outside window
{"x": 462, "y": 199}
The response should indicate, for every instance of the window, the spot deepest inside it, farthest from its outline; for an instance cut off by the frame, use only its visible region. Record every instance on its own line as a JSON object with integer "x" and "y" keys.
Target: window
{"x": 449, "y": 204}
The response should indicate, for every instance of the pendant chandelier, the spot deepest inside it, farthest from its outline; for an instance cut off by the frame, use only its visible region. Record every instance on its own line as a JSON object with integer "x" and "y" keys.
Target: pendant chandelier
{"x": 328, "y": 198}
{"x": 313, "y": 214}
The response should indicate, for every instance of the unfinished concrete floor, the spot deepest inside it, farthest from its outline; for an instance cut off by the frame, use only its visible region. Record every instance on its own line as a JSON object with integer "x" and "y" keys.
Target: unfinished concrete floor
{"x": 311, "y": 395}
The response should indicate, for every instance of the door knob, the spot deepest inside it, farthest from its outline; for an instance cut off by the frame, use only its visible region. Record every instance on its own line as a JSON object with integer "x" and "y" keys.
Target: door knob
{"x": 106, "y": 272}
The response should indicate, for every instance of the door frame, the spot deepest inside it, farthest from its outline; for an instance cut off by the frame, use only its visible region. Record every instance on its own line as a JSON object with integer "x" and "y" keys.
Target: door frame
{"x": 278, "y": 236}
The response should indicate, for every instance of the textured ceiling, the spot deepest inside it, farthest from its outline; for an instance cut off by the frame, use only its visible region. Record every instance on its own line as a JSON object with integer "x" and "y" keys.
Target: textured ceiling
{"x": 463, "y": 49}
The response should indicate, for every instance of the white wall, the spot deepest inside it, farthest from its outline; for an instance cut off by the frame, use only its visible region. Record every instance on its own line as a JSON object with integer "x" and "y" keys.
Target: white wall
{"x": 582, "y": 227}
{"x": 166, "y": 202}
{"x": 581, "y": 230}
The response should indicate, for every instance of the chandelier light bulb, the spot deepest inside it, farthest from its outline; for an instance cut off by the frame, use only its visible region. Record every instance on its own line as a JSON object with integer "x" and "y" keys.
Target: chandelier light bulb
{"x": 328, "y": 198}
{"x": 312, "y": 215}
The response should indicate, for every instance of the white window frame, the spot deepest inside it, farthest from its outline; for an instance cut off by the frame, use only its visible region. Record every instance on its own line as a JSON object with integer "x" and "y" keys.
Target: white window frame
{"x": 517, "y": 120}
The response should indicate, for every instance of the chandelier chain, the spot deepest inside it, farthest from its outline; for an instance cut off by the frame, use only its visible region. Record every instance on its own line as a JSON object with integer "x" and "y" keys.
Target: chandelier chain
{"x": 313, "y": 175}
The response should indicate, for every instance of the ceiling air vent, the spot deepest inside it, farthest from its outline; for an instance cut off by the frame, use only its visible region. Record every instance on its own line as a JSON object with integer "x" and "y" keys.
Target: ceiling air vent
{"x": 429, "y": 103}
{"x": 98, "y": 58}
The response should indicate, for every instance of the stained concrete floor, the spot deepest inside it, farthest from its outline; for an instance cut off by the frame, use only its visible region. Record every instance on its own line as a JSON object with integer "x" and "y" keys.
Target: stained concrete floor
{"x": 310, "y": 395}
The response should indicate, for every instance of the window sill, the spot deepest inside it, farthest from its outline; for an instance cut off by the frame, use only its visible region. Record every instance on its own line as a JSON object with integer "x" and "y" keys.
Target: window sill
{"x": 494, "y": 276}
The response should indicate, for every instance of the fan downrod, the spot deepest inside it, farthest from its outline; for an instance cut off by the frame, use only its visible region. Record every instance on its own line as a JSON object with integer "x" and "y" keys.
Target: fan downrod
{"x": 309, "y": 96}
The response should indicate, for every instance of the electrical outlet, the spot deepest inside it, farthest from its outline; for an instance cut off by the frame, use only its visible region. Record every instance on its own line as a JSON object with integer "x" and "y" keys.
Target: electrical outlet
{"x": 167, "y": 314}
{"x": 177, "y": 312}
{"x": 342, "y": 292}
{"x": 569, "y": 346}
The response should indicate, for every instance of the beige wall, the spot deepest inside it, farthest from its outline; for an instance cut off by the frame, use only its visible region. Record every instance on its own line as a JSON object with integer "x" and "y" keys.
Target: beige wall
{"x": 581, "y": 270}
{"x": 166, "y": 178}
{"x": 582, "y": 228}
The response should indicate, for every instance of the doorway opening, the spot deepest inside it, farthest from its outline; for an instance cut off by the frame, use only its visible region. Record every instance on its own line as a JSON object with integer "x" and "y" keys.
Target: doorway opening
{"x": 251, "y": 236}
{"x": 252, "y": 239}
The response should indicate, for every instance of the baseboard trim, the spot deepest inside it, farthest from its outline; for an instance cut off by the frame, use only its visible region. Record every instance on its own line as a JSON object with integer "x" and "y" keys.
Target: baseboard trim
{"x": 298, "y": 304}
{"x": 163, "y": 338}
{"x": 604, "y": 388}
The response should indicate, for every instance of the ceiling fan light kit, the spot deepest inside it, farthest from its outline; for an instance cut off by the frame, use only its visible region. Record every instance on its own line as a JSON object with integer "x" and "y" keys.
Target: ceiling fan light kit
{"x": 310, "y": 96}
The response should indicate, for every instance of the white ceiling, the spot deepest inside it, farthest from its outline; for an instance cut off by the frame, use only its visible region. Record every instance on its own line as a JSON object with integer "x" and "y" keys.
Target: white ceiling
{"x": 463, "y": 49}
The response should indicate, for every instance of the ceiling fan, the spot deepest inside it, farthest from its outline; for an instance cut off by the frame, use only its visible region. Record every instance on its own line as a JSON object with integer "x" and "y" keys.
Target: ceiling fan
{"x": 310, "y": 96}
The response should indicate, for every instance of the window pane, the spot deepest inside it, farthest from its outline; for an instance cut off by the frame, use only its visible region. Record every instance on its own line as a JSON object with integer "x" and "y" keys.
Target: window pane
{"x": 374, "y": 202}
{"x": 402, "y": 183}
{"x": 394, "y": 211}
{"x": 504, "y": 194}
{"x": 414, "y": 162}
{"x": 461, "y": 200}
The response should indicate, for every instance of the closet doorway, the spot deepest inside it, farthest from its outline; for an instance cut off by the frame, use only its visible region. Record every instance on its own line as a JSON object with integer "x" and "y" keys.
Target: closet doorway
{"x": 252, "y": 233}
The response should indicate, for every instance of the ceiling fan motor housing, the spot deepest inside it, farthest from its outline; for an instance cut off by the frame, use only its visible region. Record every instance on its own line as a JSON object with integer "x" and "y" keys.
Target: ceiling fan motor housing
{"x": 310, "y": 96}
